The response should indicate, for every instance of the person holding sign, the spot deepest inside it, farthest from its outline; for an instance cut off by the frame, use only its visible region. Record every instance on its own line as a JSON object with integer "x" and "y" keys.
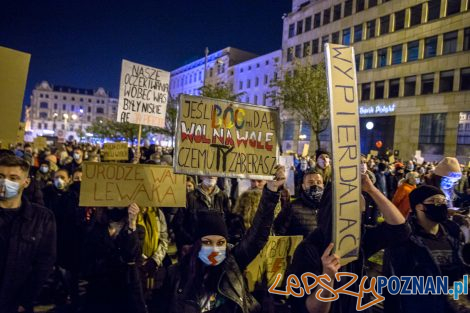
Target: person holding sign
{"x": 313, "y": 254}
{"x": 209, "y": 278}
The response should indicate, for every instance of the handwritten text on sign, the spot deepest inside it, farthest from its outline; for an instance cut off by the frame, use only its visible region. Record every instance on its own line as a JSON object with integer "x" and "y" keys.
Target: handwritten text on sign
{"x": 120, "y": 184}
{"x": 143, "y": 94}
{"x": 218, "y": 137}
{"x": 274, "y": 259}
{"x": 117, "y": 151}
{"x": 345, "y": 136}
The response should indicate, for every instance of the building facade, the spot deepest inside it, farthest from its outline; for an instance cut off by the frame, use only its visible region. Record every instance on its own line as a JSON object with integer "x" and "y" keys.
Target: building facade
{"x": 189, "y": 78}
{"x": 253, "y": 77}
{"x": 66, "y": 112}
{"x": 413, "y": 69}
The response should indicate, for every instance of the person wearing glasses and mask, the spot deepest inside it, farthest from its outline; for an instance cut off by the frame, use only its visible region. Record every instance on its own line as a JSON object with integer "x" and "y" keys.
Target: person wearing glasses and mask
{"x": 434, "y": 249}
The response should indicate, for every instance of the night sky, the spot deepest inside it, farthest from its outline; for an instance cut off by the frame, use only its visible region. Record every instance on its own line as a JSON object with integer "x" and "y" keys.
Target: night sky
{"x": 81, "y": 43}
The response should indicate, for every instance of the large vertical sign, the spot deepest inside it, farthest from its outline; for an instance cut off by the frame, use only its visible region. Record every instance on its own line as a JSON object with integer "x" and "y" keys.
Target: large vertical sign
{"x": 344, "y": 115}
{"x": 13, "y": 73}
{"x": 223, "y": 138}
{"x": 143, "y": 94}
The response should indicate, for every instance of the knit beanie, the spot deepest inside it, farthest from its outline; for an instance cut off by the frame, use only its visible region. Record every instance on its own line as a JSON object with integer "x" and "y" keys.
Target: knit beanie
{"x": 320, "y": 152}
{"x": 420, "y": 194}
{"x": 211, "y": 223}
{"x": 447, "y": 166}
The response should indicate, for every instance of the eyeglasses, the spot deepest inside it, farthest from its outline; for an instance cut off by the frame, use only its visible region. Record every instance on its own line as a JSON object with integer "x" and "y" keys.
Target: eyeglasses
{"x": 436, "y": 200}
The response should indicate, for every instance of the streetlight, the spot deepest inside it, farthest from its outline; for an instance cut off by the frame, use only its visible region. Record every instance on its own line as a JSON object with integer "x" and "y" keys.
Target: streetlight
{"x": 302, "y": 137}
{"x": 369, "y": 125}
{"x": 74, "y": 116}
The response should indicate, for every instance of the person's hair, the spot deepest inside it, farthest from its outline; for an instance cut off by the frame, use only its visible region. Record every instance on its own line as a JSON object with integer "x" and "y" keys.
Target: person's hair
{"x": 78, "y": 170}
{"x": 27, "y": 145}
{"x": 63, "y": 169}
{"x": 77, "y": 148}
{"x": 247, "y": 205}
{"x": 14, "y": 161}
{"x": 310, "y": 171}
{"x": 191, "y": 180}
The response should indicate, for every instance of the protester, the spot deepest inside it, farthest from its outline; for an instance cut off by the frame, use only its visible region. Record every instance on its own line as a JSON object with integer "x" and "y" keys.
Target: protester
{"x": 323, "y": 166}
{"x": 209, "y": 278}
{"x": 434, "y": 249}
{"x": 299, "y": 218}
{"x": 77, "y": 160}
{"x": 445, "y": 176}
{"x": 401, "y": 198}
{"x": 45, "y": 174}
{"x": 27, "y": 239}
{"x": 313, "y": 254}
{"x": 113, "y": 247}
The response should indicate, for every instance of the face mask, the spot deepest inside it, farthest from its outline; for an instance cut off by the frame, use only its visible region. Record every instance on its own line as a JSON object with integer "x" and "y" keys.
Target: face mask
{"x": 436, "y": 213}
{"x": 314, "y": 193}
{"x": 209, "y": 182}
{"x": 449, "y": 182}
{"x": 418, "y": 181}
{"x": 8, "y": 189}
{"x": 321, "y": 163}
{"x": 212, "y": 256}
{"x": 44, "y": 169}
{"x": 363, "y": 168}
{"x": 59, "y": 183}
{"x": 77, "y": 156}
{"x": 303, "y": 166}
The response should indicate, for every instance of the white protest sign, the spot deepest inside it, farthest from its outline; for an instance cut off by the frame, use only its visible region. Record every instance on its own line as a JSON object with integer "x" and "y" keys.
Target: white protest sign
{"x": 143, "y": 94}
{"x": 288, "y": 162}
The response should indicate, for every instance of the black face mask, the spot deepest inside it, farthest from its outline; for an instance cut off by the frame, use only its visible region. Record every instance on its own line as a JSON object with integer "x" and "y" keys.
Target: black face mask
{"x": 314, "y": 193}
{"x": 436, "y": 213}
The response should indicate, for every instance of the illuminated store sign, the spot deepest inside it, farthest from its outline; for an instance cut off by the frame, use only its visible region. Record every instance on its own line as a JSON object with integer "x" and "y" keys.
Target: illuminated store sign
{"x": 378, "y": 109}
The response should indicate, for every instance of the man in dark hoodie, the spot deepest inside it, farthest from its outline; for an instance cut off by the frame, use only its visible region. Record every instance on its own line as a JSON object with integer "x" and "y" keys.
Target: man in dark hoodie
{"x": 312, "y": 255}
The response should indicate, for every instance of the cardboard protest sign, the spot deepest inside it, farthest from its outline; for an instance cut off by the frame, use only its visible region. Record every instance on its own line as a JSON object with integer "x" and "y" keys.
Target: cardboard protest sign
{"x": 120, "y": 184}
{"x": 288, "y": 162}
{"x": 344, "y": 121}
{"x": 143, "y": 94}
{"x": 368, "y": 157}
{"x": 13, "y": 74}
{"x": 274, "y": 259}
{"x": 117, "y": 151}
{"x": 391, "y": 159}
{"x": 40, "y": 142}
{"x": 223, "y": 138}
{"x": 374, "y": 152}
{"x": 305, "y": 150}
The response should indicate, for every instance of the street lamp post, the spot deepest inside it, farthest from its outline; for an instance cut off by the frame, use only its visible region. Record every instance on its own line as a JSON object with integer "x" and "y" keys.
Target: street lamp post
{"x": 206, "y": 51}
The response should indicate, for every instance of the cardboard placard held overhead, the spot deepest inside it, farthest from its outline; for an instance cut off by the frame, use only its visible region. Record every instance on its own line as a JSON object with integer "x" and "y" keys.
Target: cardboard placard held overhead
{"x": 344, "y": 121}
{"x": 40, "y": 143}
{"x": 274, "y": 259}
{"x": 143, "y": 94}
{"x": 120, "y": 184}
{"x": 13, "y": 74}
{"x": 374, "y": 152}
{"x": 391, "y": 159}
{"x": 117, "y": 151}
{"x": 224, "y": 138}
{"x": 305, "y": 150}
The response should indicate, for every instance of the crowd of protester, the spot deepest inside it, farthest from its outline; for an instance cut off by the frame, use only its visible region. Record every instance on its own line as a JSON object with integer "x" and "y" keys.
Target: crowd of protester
{"x": 192, "y": 259}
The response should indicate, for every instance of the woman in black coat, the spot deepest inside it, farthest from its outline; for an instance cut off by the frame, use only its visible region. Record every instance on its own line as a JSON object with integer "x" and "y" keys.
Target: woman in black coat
{"x": 209, "y": 278}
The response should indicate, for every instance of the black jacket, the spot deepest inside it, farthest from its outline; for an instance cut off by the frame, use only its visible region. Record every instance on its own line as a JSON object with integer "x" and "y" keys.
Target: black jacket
{"x": 30, "y": 257}
{"x": 413, "y": 258}
{"x": 231, "y": 283}
{"x": 186, "y": 218}
{"x": 299, "y": 218}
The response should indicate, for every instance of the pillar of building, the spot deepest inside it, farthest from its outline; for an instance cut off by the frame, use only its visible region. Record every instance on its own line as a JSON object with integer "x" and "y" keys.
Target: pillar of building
{"x": 452, "y": 125}
{"x": 406, "y": 135}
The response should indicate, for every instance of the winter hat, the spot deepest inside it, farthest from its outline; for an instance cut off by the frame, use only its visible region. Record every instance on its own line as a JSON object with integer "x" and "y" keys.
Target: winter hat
{"x": 420, "y": 194}
{"x": 447, "y": 166}
{"x": 320, "y": 152}
{"x": 211, "y": 223}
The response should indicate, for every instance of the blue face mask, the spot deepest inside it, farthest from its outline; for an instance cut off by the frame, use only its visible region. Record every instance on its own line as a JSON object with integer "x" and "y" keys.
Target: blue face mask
{"x": 447, "y": 182}
{"x": 212, "y": 256}
{"x": 8, "y": 189}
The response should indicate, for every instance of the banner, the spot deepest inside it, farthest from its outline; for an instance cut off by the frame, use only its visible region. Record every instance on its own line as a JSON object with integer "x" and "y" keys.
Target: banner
{"x": 288, "y": 162}
{"x": 13, "y": 74}
{"x": 120, "y": 184}
{"x": 223, "y": 138}
{"x": 117, "y": 151}
{"x": 374, "y": 153}
{"x": 391, "y": 159}
{"x": 344, "y": 121}
{"x": 143, "y": 94}
{"x": 40, "y": 143}
{"x": 274, "y": 259}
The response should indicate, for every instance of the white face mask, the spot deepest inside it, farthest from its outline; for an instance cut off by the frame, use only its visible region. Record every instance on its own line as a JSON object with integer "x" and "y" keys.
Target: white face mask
{"x": 212, "y": 255}
{"x": 77, "y": 156}
{"x": 322, "y": 163}
{"x": 59, "y": 183}
{"x": 8, "y": 189}
{"x": 209, "y": 182}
